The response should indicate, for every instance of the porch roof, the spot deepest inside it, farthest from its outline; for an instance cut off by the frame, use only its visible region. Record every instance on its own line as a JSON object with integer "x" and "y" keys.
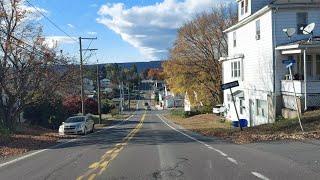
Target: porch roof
{"x": 227, "y": 58}
{"x": 301, "y": 44}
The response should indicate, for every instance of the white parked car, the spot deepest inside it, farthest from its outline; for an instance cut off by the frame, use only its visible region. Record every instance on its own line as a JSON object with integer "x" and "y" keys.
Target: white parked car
{"x": 218, "y": 109}
{"x": 77, "y": 125}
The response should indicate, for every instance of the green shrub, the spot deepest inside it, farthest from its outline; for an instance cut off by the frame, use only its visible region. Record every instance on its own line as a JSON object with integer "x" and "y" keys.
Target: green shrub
{"x": 106, "y": 106}
{"x": 204, "y": 110}
{"x": 4, "y": 131}
{"x": 179, "y": 113}
{"x": 48, "y": 113}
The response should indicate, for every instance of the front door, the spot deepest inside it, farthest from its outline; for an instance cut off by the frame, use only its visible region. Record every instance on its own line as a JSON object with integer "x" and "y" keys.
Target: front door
{"x": 252, "y": 112}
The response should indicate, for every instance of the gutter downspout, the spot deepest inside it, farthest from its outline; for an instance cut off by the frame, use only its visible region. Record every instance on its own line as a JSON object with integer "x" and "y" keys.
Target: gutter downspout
{"x": 305, "y": 78}
{"x": 274, "y": 62}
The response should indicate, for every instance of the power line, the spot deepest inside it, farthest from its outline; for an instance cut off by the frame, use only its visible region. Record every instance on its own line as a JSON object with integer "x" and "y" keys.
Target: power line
{"x": 53, "y": 23}
{"x": 21, "y": 41}
{"x": 86, "y": 51}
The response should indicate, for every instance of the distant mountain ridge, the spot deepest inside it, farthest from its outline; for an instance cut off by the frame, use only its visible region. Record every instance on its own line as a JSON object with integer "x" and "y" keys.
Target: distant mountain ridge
{"x": 141, "y": 66}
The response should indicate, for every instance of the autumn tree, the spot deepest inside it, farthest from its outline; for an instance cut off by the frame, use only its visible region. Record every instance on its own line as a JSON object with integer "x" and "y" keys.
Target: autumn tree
{"x": 193, "y": 65}
{"x": 29, "y": 70}
{"x": 155, "y": 74}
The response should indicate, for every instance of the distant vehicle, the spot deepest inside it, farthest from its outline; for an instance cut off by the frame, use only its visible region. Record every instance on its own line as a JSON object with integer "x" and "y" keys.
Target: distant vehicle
{"x": 218, "y": 109}
{"x": 146, "y": 104}
{"x": 148, "y": 108}
{"x": 77, "y": 125}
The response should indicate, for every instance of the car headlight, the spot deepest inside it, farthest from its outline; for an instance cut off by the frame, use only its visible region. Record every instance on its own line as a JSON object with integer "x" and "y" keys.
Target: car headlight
{"x": 61, "y": 129}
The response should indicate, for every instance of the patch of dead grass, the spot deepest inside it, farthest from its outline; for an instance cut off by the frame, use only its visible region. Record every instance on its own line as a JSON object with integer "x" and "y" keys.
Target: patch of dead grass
{"x": 211, "y": 125}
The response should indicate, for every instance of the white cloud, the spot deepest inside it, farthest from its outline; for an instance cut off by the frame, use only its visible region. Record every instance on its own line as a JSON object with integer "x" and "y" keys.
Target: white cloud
{"x": 32, "y": 13}
{"x": 152, "y": 29}
{"x": 55, "y": 41}
{"x": 70, "y": 25}
{"x": 92, "y": 33}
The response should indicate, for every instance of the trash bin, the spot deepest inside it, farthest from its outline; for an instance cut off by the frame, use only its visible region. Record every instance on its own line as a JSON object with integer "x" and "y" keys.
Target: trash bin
{"x": 235, "y": 124}
{"x": 243, "y": 123}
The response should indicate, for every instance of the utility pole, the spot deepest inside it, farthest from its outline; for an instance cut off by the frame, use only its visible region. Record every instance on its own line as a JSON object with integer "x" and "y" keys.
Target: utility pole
{"x": 121, "y": 97}
{"x": 129, "y": 96}
{"x": 98, "y": 88}
{"x": 81, "y": 72}
{"x": 81, "y": 77}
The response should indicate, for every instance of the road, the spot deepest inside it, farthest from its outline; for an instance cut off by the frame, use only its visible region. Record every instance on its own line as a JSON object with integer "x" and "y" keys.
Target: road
{"x": 147, "y": 146}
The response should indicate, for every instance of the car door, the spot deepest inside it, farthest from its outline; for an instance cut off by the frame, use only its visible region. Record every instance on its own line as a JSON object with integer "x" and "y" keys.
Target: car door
{"x": 87, "y": 124}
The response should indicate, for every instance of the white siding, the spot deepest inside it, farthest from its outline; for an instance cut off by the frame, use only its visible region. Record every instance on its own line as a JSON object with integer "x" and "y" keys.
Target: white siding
{"x": 258, "y": 54}
{"x": 257, "y": 71}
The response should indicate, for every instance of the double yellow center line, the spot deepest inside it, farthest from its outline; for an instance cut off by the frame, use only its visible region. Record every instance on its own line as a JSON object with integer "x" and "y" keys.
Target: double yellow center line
{"x": 97, "y": 168}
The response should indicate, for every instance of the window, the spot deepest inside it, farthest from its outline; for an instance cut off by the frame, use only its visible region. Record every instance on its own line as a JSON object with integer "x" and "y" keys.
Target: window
{"x": 309, "y": 66}
{"x": 235, "y": 69}
{"x": 261, "y": 108}
{"x": 258, "y": 30}
{"x": 246, "y": 6}
{"x": 234, "y": 39}
{"x": 302, "y": 21}
{"x": 318, "y": 64}
{"x": 242, "y": 7}
{"x": 229, "y": 98}
{"x": 242, "y": 107}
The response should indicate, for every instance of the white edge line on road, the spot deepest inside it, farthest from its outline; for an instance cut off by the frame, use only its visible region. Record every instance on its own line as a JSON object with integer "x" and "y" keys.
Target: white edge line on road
{"x": 232, "y": 160}
{"x": 208, "y": 146}
{"x": 52, "y": 147}
{"x": 260, "y": 176}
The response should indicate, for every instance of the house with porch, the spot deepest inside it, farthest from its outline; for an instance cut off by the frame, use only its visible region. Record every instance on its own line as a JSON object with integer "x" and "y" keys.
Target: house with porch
{"x": 258, "y": 49}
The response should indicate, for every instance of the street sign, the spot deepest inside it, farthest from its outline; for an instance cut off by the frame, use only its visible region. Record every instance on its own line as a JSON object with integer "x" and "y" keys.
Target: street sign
{"x": 229, "y": 85}
{"x": 289, "y": 65}
{"x": 288, "y": 61}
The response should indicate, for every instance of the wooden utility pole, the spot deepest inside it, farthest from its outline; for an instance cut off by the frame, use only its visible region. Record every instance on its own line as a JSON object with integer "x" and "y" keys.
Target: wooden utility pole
{"x": 98, "y": 89}
{"x": 81, "y": 77}
{"x": 81, "y": 72}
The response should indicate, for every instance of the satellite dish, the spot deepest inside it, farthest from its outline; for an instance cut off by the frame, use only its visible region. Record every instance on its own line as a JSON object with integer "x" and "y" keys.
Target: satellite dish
{"x": 289, "y": 32}
{"x": 308, "y": 29}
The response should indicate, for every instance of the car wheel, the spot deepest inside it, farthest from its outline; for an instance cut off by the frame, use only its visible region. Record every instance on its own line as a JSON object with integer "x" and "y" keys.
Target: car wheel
{"x": 85, "y": 131}
{"x": 92, "y": 129}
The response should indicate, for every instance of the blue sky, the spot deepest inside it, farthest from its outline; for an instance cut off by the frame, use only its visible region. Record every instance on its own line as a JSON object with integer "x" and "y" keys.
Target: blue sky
{"x": 127, "y": 30}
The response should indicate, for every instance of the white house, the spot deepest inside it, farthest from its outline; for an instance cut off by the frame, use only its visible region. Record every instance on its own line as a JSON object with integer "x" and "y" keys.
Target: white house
{"x": 257, "y": 49}
{"x": 106, "y": 85}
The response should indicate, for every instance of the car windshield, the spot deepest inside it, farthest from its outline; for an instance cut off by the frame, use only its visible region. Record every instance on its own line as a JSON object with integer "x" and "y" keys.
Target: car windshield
{"x": 75, "y": 119}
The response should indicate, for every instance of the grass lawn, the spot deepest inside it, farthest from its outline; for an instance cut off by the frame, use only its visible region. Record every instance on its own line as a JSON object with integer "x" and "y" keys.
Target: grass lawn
{"x": 211, "y": 125}
{"x": 27, "y": 137}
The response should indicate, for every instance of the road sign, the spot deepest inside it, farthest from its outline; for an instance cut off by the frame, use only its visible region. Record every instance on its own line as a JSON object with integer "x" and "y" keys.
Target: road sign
{"x": 288, "y": 61}
{"x": 229, "y": 85}
{"x": 289, "y": 65}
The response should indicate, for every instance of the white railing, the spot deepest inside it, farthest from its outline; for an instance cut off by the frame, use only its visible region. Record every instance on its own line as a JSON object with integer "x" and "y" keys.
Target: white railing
{"x": 313, "y": 87}
{"x": 313, "y": 93}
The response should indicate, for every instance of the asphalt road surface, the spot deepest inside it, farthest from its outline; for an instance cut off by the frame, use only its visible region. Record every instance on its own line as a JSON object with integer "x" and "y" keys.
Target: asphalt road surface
{"x": 147, "y": 146}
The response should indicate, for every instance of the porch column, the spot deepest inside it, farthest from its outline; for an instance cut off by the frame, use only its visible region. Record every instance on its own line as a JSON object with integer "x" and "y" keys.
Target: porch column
{"x": 305, "y": 78}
